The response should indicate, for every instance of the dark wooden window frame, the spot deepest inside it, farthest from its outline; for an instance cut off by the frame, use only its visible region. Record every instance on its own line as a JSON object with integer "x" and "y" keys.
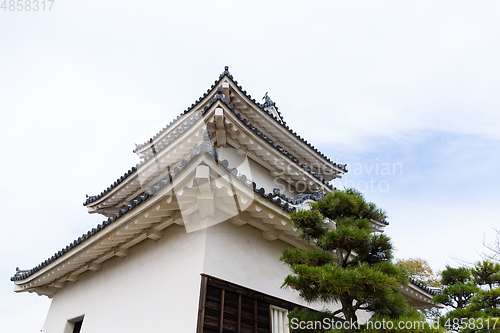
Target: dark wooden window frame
{"x": 260, "y": 300}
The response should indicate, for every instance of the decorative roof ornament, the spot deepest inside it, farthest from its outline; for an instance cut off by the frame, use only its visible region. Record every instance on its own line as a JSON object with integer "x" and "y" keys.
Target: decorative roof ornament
{"x": 226, "y": 72}
{"x": 205, "y": 145}
{"x": 270, "y": 107}
{"x": 268, "y": 102}
{"x": 20, "y": 272}
{"x": 301, "y": 197}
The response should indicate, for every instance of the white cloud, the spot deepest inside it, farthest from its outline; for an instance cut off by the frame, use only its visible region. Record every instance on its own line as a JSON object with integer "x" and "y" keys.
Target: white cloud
{"x": 84, "y": 82}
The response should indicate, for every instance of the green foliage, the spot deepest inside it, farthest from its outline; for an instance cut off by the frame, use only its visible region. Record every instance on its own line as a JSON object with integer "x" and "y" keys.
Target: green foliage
{"x": 351, "y": 264}
{"x": 458, "y": 288}
{"x": 486, "y": 273}
{"x": 420, "y": 270}
{"x": 473, "y": 293}
{"x": 486, "y": 302}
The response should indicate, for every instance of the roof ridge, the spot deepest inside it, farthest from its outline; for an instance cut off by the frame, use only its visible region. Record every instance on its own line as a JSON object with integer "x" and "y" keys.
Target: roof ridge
{"x": 261, "y": 106}
{"x": 422, "y": 286}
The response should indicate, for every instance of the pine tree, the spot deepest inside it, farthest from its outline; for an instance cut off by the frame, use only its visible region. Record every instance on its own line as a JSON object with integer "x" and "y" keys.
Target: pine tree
{"x": 458, "y": 288}
{"x": 474, "y": 294}
{"x": 486, "y": 302}
{"x": 349, "y": 263}
{"x": 486, "y": 273}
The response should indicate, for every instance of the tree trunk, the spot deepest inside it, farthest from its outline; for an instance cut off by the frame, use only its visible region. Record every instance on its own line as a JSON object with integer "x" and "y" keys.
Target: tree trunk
{"x": 349, "y": 314}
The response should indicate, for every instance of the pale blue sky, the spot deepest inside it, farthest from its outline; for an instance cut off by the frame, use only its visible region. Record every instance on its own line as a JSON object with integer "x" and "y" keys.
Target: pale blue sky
{"x": 413, "y": 83}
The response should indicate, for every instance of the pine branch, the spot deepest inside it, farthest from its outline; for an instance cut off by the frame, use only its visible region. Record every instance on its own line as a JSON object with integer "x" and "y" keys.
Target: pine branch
{"x": 346, "y": 258}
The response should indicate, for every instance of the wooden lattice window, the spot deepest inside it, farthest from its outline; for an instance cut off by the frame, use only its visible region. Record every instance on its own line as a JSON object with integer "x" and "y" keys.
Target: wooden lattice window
{"x": 229, "y": 308}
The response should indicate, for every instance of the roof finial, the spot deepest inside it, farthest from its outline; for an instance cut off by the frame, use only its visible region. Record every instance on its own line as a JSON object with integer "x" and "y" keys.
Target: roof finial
{"x": 226, "y": 72}
{"x": 268, "y": 101}
{"x": 205, "y": 145}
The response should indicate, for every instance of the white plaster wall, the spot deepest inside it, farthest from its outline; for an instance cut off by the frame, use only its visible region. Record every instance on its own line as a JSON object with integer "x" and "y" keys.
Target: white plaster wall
{"x": 255, "y": 172}
{"x": 240, "y": 255}
{"x": 154, "y": 289}
{"x": 263, "y": 179}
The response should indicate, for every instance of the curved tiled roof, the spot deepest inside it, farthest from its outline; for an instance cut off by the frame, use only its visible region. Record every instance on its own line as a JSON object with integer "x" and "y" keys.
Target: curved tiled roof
{"x": 261, "y": 106}
{"x": 288, "y": 206}
{"x": 218, "y": 97}
{"x": 423, "y": 287}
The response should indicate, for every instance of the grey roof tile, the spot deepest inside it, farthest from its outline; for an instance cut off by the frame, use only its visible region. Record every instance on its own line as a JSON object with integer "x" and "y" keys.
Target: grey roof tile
{"x": 423, "y": 287}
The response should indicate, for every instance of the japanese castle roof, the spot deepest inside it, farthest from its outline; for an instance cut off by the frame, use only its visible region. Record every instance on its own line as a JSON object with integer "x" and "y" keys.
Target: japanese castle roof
{"x": 258, "y": 118}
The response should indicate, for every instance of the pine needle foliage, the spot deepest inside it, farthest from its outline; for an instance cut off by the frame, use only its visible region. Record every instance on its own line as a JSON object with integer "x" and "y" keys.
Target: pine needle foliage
{"x": 350, "y": 263}
{"x": 486, "y": 302}
{"x": 458, "y": 288}
{"x": 473, "y": 293}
